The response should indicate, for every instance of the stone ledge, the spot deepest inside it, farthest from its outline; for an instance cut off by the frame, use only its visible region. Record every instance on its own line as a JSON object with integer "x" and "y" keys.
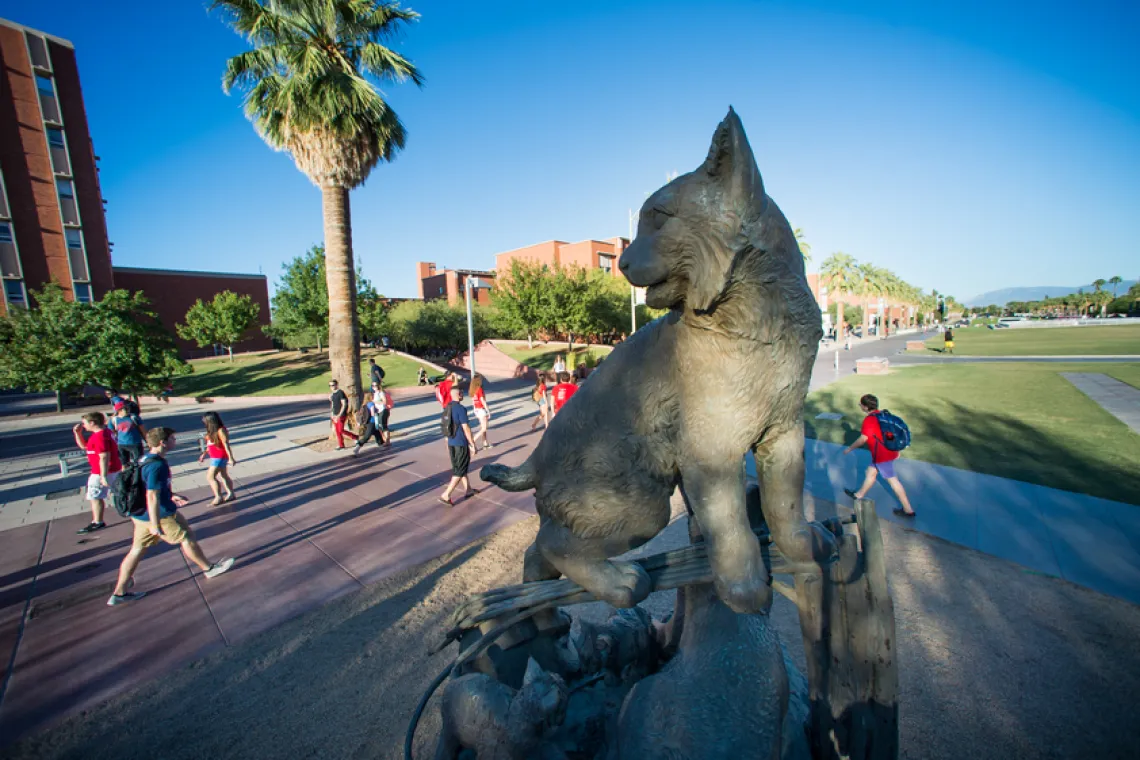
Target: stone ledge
{"x": 915, "y": 345}
{"x": 875, "y": 365}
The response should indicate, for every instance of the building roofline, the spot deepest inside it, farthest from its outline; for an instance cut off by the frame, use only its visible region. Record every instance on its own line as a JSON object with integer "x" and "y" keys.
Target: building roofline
{"x": 532, "y": 245}
{"x": 22, "y": 28}
{"x": 187, "y": 273}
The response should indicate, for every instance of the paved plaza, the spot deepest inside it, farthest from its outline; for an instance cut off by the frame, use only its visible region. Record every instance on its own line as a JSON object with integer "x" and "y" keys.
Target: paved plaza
{"x": 311, "y": 527}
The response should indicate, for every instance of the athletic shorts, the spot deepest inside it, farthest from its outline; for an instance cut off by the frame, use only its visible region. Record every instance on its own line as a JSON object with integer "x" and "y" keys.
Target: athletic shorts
{"x": 219, "y": 462}
{"x": 96, "y": 490}
{"x": 886, "y": 469}
{"x": 949, "y": 344}
{"x": 174, "y": 531}
{"x": 460, "y": 460}
{"x": 481, "y": 413}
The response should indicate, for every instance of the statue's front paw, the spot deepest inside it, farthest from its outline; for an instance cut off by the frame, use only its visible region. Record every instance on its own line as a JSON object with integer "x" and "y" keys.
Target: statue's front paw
{"x": 746, "y": 592}
{"x": 622, "y": 584}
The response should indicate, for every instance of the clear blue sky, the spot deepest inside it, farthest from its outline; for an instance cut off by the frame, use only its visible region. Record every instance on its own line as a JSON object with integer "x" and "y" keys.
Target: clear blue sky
{"x": 968, "y": 146}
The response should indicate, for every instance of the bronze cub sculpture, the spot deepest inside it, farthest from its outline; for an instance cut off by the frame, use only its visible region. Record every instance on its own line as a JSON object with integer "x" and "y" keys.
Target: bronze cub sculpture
{"x": 682, "y": 401}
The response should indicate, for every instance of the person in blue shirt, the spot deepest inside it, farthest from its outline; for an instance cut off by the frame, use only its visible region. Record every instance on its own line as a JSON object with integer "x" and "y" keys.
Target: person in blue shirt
{"x": 460, "y": 447}
{"x": 129, "y": 433}
{"x": 161, "y": 521}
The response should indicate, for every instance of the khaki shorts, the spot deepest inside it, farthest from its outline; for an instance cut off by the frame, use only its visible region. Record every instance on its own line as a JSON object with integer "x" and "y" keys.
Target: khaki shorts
{"x": 175, "y": 530}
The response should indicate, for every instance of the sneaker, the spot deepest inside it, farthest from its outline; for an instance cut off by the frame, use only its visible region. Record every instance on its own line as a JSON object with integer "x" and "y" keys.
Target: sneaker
{"x": 91, "y": 528}
{"x": 218, "y": 568}
{"x": 130, "y": 596}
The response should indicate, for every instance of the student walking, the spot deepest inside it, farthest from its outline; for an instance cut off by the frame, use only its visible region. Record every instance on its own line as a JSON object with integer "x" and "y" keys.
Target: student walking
{"x": 93, "y": 437}
{"x": 559, "y": 365}
{"x": 220, "y": 456}
{"x": 129, "y": 432}
{"x": 369, "y": 420}
{"x": 443, "y": 390}
{"x": 482, "y": 411}
{"x": 882, "y": 458}
{"x": 948, "y": 341}
{"x": 338, "y": 402}
{"x": 562, "y": 392}
{"x": 460, "y": 447}
{"x": 161, "y": 521}
{"x": 384, "y": 403}
{"x": 541, "y": 398}
{"x": 376, "y": 371}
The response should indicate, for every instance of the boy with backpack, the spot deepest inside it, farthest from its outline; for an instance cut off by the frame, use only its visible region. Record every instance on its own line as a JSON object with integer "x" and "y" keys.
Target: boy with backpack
{"x": 129, "y": 431}
{"x": 886, "y": 436}
{"x": 147, "y": 497}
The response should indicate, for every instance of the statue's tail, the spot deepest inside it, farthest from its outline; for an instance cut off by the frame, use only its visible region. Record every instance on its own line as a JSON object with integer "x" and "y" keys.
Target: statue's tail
{"x": 521, "y": 478}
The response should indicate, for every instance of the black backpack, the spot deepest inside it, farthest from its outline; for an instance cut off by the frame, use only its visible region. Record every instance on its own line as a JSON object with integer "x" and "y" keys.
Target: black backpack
{"x": 129, "y": 492}
{"x": 447, "y": 423}
{"x": 132, "y": 408}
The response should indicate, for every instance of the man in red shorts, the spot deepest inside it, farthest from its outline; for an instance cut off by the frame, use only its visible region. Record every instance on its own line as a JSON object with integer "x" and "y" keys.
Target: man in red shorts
{"x": 882, "y": 458}
{"x": 562, "y": 392}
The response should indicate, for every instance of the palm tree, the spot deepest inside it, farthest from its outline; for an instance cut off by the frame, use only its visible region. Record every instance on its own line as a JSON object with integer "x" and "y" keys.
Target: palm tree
{"x": 805, "y": 246}
{"x": 1114, "y": 281}
{"x": 309, "y": 90}
{"x": 868, "y": 288}
{"x": 838, "y": 271}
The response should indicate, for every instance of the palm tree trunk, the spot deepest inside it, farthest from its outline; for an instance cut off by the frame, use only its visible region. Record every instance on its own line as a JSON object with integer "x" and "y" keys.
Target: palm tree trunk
{"x": 344, "y": 345}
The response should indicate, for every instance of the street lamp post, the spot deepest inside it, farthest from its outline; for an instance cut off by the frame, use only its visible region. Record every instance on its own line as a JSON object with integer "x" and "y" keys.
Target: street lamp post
{"x": 469, "y": 283}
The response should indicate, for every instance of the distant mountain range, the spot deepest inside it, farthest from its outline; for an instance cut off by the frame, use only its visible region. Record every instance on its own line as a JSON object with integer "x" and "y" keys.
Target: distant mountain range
{"x": 1004, "y": 296}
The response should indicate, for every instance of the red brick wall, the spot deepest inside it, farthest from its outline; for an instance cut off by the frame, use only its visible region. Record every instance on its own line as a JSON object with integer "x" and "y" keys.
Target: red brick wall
{"x": 173, "y": 293}
{"x": 542, "y": 253}
{"x": 430, "y": 286}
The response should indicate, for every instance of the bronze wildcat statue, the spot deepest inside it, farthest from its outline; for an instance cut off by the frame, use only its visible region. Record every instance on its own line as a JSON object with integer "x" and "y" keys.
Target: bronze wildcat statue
{"x": 682, "y": 401}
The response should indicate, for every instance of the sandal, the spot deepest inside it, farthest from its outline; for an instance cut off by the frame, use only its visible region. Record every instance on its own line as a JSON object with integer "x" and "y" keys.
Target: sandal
{"x": 903, "y": 513}
{"x": 448, "y": 502}
{"x": 216, "y": 503}
{"x": 470, "y": 493}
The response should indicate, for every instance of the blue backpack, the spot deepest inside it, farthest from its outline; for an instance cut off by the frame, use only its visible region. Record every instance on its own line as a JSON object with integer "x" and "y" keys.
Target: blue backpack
{"x": 896, "y": 435}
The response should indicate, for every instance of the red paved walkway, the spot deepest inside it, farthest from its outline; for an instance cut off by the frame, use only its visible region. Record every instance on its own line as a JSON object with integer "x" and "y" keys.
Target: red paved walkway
{"x": 301, "y": 539}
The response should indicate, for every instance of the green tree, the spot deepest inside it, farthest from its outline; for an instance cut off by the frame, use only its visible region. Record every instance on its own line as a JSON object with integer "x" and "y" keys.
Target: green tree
{"x": 60, "y": 345}
{"x": 805, "y": 246}
{"x": 838, "y": 271}
{"x": 525, "y": 297}
{"x": 222, "y": 321}
{"x": 1114, "y": 281}
{"x": 309, "y": 88}
{"x": 301, "y": 302}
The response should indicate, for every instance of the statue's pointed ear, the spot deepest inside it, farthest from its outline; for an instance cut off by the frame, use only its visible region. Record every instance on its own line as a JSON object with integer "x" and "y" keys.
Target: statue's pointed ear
{"x": 731, "y": 163}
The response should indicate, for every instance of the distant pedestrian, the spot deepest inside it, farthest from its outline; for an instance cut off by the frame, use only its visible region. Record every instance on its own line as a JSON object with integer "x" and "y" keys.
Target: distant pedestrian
{"x": 948, "y": 341}
{"x": 562, "y": 392}
{"x": 422, "y": 378}
{"x": 384, "y": 404}
{"x": 460, "y": 447}
{"x": 482, "y": 410}
{"x": 882, "y": 458}
{"x": 102, "y": 450}
{"x": 369, "y": 420}
{"x": 443, "y": 389}
{"x": 113, "y": 397}
{"x": 338, "y": 410}
{"x": 129, "y": 432}
{"x": 161, "y": 521}
{"x": 559, "y": 365}
{"x": 541, "y": 399}
{"x": 376, "y": 371}
{"x": 848, "y": 331}
{"x": 219, "y": 455}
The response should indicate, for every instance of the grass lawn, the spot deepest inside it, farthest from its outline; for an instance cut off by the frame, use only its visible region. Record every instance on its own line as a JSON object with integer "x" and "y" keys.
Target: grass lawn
{"x": 1125, "y": 373}
{"x": 1043, "y": 341}
{"x": 286, "y": 373}
{"x": 1017, "y": 420}
{"x": 542, "y": 357}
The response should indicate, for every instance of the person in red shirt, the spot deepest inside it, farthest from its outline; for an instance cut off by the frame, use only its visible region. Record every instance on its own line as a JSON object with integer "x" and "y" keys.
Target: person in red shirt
{"x": 562, "y": 392}
{"x": 94, "y": 437}
{"x": 882, "y": 458}
{"x": 443, "y": 389}
{"x": 482, "y": 411}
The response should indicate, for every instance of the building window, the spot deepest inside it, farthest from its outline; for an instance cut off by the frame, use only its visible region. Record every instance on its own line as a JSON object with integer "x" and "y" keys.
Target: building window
{"x": 48, "y": 102}
{"x": 441, "y": 290}
{"x": 82, "y": 292}
{"x": 14, "y": 292}
{"x": 606, "y": 262}
{"x": 59, "y": 160}
{"x": 3, "y": 200}
{"x": 37, "y": 49}
{"x": 67, "y": 206}
{"x": 75, "y": 254}
{"x": 9, "y": 259}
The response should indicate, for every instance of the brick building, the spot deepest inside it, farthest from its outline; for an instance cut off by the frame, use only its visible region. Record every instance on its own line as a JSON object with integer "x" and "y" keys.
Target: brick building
{"x": 181, "y": 289}
{"x": 587, "y": 254}
{"x": 52, "y": 223}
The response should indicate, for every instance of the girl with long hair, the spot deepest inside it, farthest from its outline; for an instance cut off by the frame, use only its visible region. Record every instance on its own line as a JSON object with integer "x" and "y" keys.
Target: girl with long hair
{"x": 482, "y": 411}
{"x": 219, "y": 456}
{"x": 541, "y": 399}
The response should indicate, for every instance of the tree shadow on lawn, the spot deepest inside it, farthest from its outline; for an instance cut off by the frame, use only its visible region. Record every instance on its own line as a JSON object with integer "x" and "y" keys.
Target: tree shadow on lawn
{"x": 997, "y": 444}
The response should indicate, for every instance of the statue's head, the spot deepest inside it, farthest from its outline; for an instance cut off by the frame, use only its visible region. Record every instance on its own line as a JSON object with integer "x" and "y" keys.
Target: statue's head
{"x": 690, "y": 231}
